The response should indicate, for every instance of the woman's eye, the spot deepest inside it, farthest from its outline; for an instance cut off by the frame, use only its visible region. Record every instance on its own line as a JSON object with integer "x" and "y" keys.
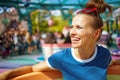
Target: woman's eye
{"x": 79, "y": 27}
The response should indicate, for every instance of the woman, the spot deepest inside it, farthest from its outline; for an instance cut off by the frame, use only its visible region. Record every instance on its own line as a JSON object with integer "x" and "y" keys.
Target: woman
{"x": 85, "y": 57}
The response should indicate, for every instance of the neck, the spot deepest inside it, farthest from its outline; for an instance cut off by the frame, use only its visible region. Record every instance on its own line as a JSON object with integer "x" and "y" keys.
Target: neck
{"x": 84, "y": 53}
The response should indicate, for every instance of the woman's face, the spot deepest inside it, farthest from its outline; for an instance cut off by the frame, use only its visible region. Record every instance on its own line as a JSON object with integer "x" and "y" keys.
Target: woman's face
{"x": 82, "y": 32}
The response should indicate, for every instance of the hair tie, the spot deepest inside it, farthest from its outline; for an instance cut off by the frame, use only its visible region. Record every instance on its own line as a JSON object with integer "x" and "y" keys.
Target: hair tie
{"x": 88, "y": 11}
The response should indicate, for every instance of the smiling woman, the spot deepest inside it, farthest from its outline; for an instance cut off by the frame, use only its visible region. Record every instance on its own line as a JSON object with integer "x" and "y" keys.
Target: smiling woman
{"x": 85, "y": 56}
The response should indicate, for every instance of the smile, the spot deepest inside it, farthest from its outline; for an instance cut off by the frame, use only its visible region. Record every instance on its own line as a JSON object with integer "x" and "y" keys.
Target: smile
{"x": 75, "y": 40}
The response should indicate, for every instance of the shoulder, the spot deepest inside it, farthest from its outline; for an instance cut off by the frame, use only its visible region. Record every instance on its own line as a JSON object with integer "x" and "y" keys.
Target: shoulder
{"x": 103, "y": 52}
{"x": 103, "y": 49}
{"x": 103, "y": 56}
{"x": 58, "y": 58}
{"x": 62, "y": 52}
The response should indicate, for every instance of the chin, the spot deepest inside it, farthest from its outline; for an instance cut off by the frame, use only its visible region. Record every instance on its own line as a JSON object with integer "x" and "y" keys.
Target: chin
{"x": 75, "y": 46}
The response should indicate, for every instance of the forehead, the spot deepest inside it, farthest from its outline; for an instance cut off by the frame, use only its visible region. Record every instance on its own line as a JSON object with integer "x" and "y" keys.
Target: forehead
{"x": 82, "y": 19}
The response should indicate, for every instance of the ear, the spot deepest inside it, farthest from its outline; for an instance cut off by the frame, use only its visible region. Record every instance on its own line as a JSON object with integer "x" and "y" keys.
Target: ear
{"x": 98, "y": 33}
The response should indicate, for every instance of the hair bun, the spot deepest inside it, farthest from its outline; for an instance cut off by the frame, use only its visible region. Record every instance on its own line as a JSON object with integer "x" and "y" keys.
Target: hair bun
{"x": 100, "y": 5}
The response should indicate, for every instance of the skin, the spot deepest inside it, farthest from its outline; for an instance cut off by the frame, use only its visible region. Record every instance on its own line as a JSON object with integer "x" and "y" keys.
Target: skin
{"x": 83, "y": 36}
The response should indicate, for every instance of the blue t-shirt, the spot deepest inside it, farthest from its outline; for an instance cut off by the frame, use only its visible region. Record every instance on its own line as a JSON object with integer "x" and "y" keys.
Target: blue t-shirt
{"x": 72, "y": 68}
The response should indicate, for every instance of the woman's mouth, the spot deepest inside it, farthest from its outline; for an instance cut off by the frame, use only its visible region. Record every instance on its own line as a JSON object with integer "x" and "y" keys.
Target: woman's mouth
{"x": 75, "y": 40}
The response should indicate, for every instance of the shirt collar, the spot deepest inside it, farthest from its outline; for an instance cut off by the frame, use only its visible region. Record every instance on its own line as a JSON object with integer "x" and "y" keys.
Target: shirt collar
{"x": 84, "y": 60}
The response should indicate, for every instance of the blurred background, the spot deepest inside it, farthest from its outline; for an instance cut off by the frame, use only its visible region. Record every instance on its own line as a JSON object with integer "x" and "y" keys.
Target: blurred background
{"x": 29, "y": 28}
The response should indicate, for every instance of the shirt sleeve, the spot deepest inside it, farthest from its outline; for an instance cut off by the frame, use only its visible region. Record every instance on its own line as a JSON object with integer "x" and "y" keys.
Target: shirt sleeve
{"x": 54, "y": 61}
{"x": 109, "y": 58}
{"x": 104, "y": 57}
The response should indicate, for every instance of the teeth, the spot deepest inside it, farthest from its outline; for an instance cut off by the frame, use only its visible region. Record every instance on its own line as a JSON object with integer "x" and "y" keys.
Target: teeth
{"x": 75, "y": 39}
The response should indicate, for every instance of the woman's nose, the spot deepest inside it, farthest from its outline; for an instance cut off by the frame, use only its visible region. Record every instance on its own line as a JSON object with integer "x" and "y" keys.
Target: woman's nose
{"x": 72, "y": 31}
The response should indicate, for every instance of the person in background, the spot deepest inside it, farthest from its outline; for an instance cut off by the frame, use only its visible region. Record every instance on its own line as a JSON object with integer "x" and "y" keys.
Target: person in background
{"x": 84, "y": 57}
{"x": 65, "y": 31}
{"x": 50, "y": 38}
{"x": 29, "y": 42}
{"x": 67, "y": 39}
{"x": 60, "y": 38}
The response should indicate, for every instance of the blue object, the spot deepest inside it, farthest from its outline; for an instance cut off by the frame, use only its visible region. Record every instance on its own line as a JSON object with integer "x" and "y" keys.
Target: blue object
{"x": 94, "y": 68}
{"x": 40, "y": 58}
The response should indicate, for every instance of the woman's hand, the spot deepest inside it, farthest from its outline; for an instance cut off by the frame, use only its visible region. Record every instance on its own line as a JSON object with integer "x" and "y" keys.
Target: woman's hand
{"x": 3, "y": 76}
{"x": 15, "y": 72}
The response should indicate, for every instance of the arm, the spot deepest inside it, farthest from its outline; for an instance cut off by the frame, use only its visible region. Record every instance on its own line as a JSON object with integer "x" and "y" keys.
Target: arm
{"x": 41, "y": 67}
{"x": 15, "y": 72}
{"x": 23, "y": 70}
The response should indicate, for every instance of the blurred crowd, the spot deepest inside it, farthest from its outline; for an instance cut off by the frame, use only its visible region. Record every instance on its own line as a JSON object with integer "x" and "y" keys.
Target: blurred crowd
{"x": 15, "y": 40}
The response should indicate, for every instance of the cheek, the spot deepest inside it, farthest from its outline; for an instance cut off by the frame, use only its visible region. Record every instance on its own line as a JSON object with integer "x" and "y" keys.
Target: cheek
{"x": 83, "y": 33}
{"x": 86, "y": 36}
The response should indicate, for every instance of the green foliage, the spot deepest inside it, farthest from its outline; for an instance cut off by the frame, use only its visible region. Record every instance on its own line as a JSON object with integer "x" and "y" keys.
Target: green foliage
{"x": 39, "y": 22}
{"x": 59, "y": 23}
